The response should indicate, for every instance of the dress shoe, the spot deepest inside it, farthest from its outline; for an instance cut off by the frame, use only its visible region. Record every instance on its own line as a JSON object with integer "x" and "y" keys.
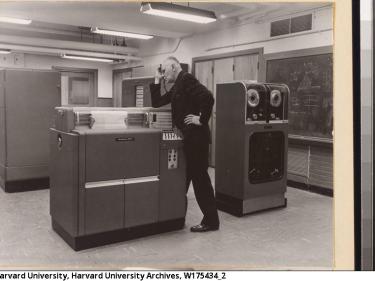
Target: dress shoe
{"x": 203, "y": 228}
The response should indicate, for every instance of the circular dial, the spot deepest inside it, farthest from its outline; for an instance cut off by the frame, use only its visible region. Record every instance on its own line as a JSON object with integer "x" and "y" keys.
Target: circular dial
{"x": 275, "y": 99}
{"x": 252, "y": 98}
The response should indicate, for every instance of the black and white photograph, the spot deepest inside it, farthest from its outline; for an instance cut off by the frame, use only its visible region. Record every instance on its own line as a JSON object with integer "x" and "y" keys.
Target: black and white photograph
{"x": 179, "y": 136}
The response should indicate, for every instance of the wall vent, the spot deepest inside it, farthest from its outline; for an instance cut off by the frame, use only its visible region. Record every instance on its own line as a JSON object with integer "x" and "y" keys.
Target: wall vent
{"x": 291, "y": 25}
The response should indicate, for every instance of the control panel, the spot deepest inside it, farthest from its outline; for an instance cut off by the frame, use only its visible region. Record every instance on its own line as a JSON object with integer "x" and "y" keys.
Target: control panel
{"x": 256, "y": 103}
{"x": 172, "y": 159}
{"x": 266, "y": 102}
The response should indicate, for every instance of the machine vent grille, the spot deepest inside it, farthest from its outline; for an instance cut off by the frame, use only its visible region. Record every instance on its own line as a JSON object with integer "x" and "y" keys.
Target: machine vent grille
{"x": 136, "y": 120}
{"x": 161, "y": 120}
{"x": 82, "y": 119}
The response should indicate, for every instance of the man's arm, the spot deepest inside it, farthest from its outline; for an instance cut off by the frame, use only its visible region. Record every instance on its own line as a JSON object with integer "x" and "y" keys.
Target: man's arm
{"x": 158, "y": 100}
{"x": 204, "y": 99}
{"x": 206, "y": 103}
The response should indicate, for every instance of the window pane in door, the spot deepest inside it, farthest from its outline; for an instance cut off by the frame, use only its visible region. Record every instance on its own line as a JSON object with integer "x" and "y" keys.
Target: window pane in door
{"x": 79, "y": 90}
{"x": 246, "y": 67}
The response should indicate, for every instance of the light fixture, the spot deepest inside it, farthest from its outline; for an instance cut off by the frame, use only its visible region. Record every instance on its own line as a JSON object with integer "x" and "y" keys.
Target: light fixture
{"x": 74, "y": 57}
{"x": 15, "y": 20}
{"x": 120, "y": 33}
{"x": 4, "y": 51}
{"x": 178, "y": 12}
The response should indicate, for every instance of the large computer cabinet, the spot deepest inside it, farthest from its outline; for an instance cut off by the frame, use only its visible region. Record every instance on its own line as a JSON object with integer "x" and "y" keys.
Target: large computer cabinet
{"x": 251, "y": 146}
{"x": 27, "y": 102}
{"x": 111, "y": 184}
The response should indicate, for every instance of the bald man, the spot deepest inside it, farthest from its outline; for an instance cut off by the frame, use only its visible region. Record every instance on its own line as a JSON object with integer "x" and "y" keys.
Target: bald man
{"x": 191, "y": 110}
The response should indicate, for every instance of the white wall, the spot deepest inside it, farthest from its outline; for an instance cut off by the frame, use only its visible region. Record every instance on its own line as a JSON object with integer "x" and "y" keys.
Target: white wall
{"x": 242, "y": 37}
{"x": 29, "y": 61}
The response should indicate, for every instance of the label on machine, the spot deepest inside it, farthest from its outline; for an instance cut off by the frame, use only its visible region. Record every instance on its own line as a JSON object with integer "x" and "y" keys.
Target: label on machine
{"x": 170, "y": 135}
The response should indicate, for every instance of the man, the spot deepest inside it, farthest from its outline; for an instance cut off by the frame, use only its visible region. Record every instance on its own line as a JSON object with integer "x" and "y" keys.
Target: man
{"x": 191, "y": 109}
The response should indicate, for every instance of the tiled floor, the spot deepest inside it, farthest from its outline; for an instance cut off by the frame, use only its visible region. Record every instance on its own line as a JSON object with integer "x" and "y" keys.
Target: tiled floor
{"x": 296, "y": 237}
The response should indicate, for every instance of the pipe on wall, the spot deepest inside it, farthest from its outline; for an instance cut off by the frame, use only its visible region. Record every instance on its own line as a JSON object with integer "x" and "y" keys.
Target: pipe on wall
{"x": 57, "y": 52}
{"x": 63, "y": 44}
{"x": 269, "y": 39}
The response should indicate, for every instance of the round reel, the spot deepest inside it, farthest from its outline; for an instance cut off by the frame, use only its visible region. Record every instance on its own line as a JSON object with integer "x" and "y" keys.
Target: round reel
{"x": 275, "y": 98}
{"x": 253, "y": 98}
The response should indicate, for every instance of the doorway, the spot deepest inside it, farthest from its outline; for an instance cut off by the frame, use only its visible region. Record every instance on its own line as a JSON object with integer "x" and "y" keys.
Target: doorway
{"x": 223, "y": 68}
{"x": 78, "y": 86}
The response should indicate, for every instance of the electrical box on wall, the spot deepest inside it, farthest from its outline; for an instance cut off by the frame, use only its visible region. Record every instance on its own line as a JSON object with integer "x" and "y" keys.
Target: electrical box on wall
{"x": 12, "y": 60}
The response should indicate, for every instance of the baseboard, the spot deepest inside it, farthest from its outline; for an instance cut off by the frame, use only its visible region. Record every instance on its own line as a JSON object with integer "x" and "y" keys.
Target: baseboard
{"x": 312, "y": 188}
{"x": 25, "y": 185}
{"x": 109, "y": 237}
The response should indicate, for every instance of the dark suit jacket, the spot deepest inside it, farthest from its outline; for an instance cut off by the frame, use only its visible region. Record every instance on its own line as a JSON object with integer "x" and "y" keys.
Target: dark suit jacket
{"x": 187, "y": 96}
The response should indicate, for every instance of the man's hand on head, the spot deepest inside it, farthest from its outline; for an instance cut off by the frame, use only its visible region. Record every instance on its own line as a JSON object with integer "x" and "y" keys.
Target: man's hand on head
{"x": 158, "y": 77}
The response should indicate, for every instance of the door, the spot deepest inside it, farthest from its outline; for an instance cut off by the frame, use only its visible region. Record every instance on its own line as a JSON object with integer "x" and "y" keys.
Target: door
{"x": 204, "y": 73}
{"x": 104, "y": 208}
{"x": 223, "y": 72}
{"x": 215, "y": 71}
{"x": 246, "y": 67}
{"x": 141, "y": 202}
{"x": 118, "y": 78}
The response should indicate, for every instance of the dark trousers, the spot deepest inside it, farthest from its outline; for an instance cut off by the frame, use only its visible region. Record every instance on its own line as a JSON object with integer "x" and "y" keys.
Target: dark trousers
{"x": 196, "y": 154}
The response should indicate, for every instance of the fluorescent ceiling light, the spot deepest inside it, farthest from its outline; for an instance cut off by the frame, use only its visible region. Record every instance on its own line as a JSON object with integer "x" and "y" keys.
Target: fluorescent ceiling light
{"x": 14, "y": 20}
{"x": 178, "y": 12}
{"x": 74, "y": 57}
{"x": 4, "y": 52}
{"x": 120, "y": 33}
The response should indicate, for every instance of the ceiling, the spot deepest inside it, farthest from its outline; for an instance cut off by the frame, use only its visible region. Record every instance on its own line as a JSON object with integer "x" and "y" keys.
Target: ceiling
{"x": 71, "y": 20}
{"x": 127, "y": 17}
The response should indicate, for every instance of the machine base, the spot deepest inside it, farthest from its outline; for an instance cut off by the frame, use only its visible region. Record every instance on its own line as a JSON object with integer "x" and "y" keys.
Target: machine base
{"x": 25, "y": 185}
{"x": 239, "y": 207}
{"x": 99, "y": 239}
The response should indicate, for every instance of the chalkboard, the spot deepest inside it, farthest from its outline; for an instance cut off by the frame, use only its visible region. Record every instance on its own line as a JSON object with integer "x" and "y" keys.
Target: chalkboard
{"x": 310, "y": 82}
